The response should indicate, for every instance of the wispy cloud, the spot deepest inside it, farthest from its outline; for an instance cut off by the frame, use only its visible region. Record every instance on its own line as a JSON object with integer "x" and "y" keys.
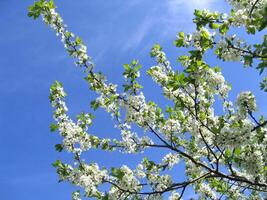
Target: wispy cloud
{"x": 177, "y": 13}
{"x": 176, "y": 6}
{"x": 141, "y": 32}
{"x": 180, "y": 12}
{"x": 161, "y": 19}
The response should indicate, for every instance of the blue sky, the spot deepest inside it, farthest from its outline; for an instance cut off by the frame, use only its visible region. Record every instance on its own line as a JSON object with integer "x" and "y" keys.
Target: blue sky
{"x": 32, "y": 57}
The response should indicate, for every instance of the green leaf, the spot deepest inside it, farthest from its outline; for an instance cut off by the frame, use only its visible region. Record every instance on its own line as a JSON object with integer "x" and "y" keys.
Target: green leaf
{"x": 237, "y": 151}
{"x": 180, "y": 40}
{"x": 106, "y": 197}
{"x": 51, "y": 4}
{"x": 169, "y": 109}
{"x": 154, "y": 49}
{"x": 224, "y": 28}
{"x": 263, "y": 23}
{"x": 134, "y": 62}
{"x": 198, "y": 13}
{"x": 59, "y": 147}
{"x": 118, "y": 173}
{"x": 150, "y": 165}
{"x": 58, "y": 164}
{"x": 263, "y": 85}
{"x": 248, "y": 60}
{"x": 53, "y": 127}
{"x": 228, "y": 153}
{"x": 78, "y": 40}
{"x": 205, "y": 34}
{"x": 214, "y": 25}
{"x": 262, "y": 66}
{"x": 95, "y": 105}
{"x": 127, "y": 66}
{"x": 251, "y": 29}
{"x": 136, "y": 68}
{"x": 38, "y": 7}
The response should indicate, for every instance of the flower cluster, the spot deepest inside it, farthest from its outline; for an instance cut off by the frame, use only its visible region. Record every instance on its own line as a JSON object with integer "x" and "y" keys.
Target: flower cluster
{"x": 217, "y": 83}
{"x": 246, "y": 10}
{"x": 174, "y": 196}
{"x": 207, "y": 192}
{"x": 202, "y": 39}
{"x": 171, "y": 127}
{"x": 236, "y": 133}
{"x": 132, "y": 143}
{"x": 74, "y": 46}
{"x": 246, "y": 103}
{"x": 158, "y": 74}
{"x": 140, "y": 112}
{"x": 161, "y": 58}
{"x": 90, "y": 178}
{"x": 171, "y": 159}
{"x": 125, "y": 181}
{"x": 227, "y": 53}
{"x": 75, "y": 139}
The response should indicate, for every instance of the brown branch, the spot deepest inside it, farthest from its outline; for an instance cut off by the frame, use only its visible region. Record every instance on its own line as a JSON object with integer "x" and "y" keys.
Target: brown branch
{"x": 247, "y": 51}
{"x": 259, "y": 126}
{"x": 253, "y": 7}
{"x": 174, "y": 186}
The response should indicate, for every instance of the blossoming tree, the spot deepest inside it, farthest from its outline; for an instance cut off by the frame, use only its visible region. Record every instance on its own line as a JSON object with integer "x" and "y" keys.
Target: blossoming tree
{"x": 225, "y": 155}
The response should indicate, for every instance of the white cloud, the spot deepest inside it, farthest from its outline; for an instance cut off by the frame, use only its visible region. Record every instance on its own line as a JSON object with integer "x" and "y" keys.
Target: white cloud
{"x": 176, "y": 6}
{"x": 180, "y": 13}
{"x": 139, "y": 35}
{"x": 170, "y": 16}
